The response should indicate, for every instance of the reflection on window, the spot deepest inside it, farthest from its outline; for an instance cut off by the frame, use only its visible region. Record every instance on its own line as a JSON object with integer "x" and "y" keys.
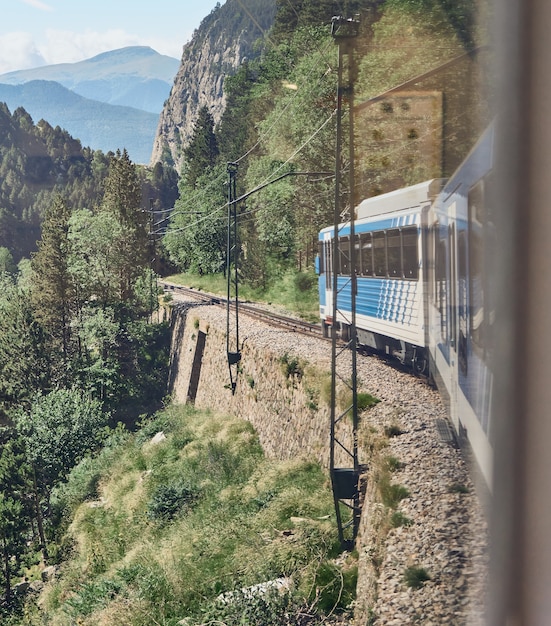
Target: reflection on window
{"x": 477, "y": 221}
{"x": 462, "y": 297}
{"x": 440, "y": 279}
{"x": 366, "y": 254}
{"x": 379, "y": 254}
{"x": 394, "y": 253}
{"x": 410, "y": 253}
{"x": 344, "y": 256}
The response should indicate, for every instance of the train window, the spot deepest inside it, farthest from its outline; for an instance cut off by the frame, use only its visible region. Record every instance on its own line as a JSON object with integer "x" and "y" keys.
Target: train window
{"x": 462, "y": 296}
{"x": 410, "y": 253}
{"x": 366, "y": 254}
{"x": 394, "y": 253}
{"x": 344, "y": 256}
{"x": 321, "y": 257}
{"x": 476, "y": 262}
{"x": 453, "y": 284}
{"x": 379, "y": 254}
{"x": 357, "y": 254}
{"x": 441, "y": 293}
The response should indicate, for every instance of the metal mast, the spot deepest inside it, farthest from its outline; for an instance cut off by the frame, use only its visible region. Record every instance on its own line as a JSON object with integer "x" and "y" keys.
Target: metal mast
{"x": 232, "y": 254}
{"x": 344, "y": 422}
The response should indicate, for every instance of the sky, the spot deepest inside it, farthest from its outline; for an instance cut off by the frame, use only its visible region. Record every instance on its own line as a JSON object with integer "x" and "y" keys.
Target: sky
{"x": 47, "y": 32}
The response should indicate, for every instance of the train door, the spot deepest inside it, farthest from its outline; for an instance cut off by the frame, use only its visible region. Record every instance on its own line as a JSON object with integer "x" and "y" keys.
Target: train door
{"x": 453, "y": 313}
{"x": 328, "y": 283}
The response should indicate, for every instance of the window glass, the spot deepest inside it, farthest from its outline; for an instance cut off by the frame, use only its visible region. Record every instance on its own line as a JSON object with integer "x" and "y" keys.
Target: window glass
{"x": 379, "y": 254}
{"x": 476, "y": 264}
{"x": 344, "y": 256}
{"x": 357, "y": 253}
{"x": 366, "y": 254}
{"x": 440, "y": 279}
{"x": 328, "y": 264}
{"x": 462, "y": 297}
{"x": 394, "y": 253}
{"x": 321, "y": 257}
{"x": 410, "y": 253}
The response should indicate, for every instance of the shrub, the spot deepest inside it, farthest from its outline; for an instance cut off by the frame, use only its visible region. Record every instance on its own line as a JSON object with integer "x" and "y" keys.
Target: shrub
{"x": 291, "y": 366}
{"x": 366, "y": 401}
{"x": 335, "y": 588}
{"x": 458, "y": 488}
{"x": 415, "y": 577}
{"x": 391, "y": 494}
{"x": 304, "y": 281}
{"x": 399, "y": 519}
{"x": 393, "y": 430}
{"x": 168, "y": 500}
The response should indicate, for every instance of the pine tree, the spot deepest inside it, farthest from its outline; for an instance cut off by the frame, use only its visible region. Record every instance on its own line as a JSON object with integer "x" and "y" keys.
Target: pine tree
{"x": 22, "y": 356}
{"x": 202, "y": 152}
{"x": 53, "y": 294}
{"x": 15, "y": 509}
{"x": 122, "y": 199}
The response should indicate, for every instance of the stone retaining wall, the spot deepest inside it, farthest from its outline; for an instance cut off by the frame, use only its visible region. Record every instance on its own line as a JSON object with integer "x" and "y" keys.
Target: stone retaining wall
{"x": 287, "y": 410}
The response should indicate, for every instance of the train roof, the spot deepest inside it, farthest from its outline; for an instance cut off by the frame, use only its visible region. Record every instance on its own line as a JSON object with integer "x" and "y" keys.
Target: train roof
{"x": 400, "y": 199}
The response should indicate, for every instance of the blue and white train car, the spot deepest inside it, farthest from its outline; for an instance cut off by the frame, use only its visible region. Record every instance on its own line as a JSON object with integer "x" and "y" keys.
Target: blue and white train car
{"x": 390, "y": 243}
{"x": 460, "y": 310}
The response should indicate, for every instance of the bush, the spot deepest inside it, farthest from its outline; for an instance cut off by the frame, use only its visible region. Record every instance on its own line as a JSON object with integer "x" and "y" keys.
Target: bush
{"x": 415, "y": 577}
{"x": 304, "y": 281}
{"x": 168, "y": 500}
{"x": 335, "y": 587}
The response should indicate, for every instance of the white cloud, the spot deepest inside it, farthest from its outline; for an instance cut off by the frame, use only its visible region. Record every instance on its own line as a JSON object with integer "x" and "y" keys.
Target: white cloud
{"x": 18, "y": 51}
{"x": 38, "y": 5}
{"x": 70, "y": 47}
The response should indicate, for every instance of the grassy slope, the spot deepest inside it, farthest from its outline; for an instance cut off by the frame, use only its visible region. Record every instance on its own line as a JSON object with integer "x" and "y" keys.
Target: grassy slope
{"x": 165, "y": 528}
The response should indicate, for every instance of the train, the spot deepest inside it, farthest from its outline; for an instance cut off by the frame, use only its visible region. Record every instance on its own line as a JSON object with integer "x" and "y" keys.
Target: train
{"x": 423, "y": 294}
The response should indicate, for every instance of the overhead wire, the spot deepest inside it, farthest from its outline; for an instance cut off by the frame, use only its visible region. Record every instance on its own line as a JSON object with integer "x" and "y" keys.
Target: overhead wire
{"x": 267, "y": 179}
{"x": 321, "y": 51}
{"x": 262, "y": 138}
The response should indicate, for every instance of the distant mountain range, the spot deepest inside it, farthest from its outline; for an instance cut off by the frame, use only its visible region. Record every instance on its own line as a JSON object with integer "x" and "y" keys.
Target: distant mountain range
{"x": 110, "y": 101}
{"x": 135, "y": 77}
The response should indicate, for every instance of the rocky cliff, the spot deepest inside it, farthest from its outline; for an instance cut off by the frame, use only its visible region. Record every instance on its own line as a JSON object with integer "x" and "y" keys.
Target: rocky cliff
{"x": 218, "y": 47}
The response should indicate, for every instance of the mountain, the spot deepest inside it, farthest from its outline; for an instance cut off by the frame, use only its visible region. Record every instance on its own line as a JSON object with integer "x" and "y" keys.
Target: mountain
{"x": 135, "y": 76}
{"x": 98, "y": 125}
{"x": 225, "y": 39}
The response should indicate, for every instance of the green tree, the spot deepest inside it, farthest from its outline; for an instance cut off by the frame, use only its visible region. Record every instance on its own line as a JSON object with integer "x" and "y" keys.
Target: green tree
{"x": 6, "y": 261}
{"x": 15, "y": 513}
{"x": 197, "y": 236}
{"x": 97, "y": 260}
{"x": 23, "y": 364}
{"x": 202, "y": 151}
{"x": 122, "y": 199}
{"x": 53, "y": 292}
{"x": 58, "y": 430}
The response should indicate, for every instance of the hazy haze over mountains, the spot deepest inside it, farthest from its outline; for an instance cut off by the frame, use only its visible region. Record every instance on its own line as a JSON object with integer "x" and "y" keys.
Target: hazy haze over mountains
{"x": 136, "y": 76}
{"x": 110, "y": 101}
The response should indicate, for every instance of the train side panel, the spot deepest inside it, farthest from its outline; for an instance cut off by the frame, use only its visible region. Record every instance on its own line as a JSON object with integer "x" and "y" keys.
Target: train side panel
{"x": 390, "y": 272}
{"x": 459, "y": 310}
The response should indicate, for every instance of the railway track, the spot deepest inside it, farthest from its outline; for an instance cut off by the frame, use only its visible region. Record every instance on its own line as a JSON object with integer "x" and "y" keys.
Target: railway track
{"x": 291, "y": 324}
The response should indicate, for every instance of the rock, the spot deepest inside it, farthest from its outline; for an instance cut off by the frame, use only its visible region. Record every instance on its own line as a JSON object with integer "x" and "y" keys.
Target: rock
{"x": 158, "y": 438}
{"x": 48, "y": 573}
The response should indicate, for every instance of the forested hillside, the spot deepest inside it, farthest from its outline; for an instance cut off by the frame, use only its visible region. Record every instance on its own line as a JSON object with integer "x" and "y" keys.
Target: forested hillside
{"x": 39, "y": 162}
{"x": 421, "y": 94}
